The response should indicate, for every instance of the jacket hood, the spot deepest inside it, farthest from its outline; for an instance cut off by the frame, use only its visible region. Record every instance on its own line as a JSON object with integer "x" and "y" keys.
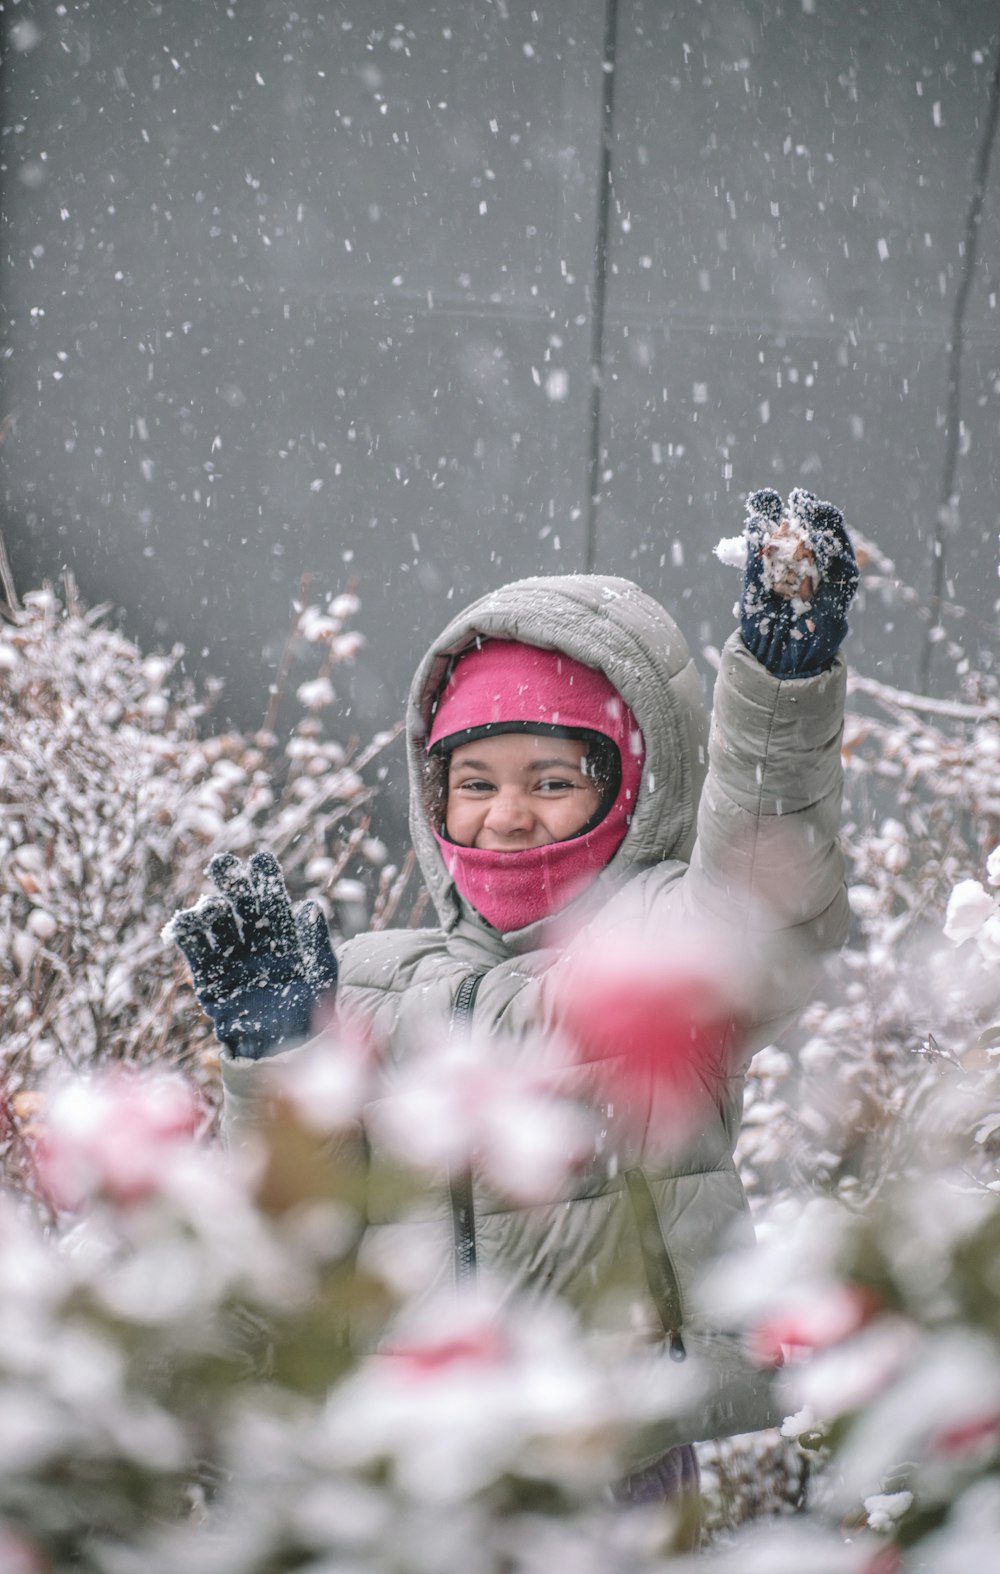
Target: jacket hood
{"x": 614, "y": 626}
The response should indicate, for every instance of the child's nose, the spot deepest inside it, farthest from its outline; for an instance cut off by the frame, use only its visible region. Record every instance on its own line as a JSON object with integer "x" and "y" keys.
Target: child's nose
{"x": 510, "y": 810}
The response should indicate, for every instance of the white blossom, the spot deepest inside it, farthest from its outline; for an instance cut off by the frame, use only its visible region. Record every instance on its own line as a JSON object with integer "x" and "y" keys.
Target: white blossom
{"x": 969, "y": 908}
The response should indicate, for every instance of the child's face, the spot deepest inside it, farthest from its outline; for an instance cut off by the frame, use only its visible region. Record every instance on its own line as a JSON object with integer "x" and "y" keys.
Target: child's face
{"x": 518, "y": 790}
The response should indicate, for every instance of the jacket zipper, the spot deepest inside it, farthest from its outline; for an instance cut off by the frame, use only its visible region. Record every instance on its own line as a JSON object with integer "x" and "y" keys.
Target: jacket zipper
{"x": 661, "y": 1275}
{"x": 463, "y": 1212}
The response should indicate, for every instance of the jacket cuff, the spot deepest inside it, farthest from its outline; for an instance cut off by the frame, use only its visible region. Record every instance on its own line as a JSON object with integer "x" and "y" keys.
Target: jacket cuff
{"x": 244, "y": 1090}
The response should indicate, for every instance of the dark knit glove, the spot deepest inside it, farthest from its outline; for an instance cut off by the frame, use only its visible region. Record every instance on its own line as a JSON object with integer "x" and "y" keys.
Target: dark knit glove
{"x": 258, "y": 968}
{"x": 798, "y": 583}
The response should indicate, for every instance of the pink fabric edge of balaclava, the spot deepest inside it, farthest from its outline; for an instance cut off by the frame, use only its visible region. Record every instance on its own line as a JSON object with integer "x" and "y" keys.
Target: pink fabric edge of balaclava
{"x": 501, "y": 681}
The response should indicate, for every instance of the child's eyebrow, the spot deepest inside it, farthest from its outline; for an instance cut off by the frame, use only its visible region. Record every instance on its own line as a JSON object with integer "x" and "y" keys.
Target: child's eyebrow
{"x": 556, "y": 759}
{"x": 535, "y": 765}
{"x": 470, "y": 765}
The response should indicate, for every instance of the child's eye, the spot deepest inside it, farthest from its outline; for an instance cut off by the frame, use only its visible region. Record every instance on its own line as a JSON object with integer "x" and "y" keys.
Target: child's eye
{"x": 555, "y": 784}
{"x": 475, "y": 786}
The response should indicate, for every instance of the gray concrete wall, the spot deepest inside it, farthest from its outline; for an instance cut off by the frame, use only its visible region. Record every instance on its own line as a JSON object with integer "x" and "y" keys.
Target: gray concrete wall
{"x": 307, "y": 289}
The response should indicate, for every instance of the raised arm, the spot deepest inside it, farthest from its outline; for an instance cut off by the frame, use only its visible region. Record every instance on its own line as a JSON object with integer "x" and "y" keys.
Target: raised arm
{"x": 767, "y": 856}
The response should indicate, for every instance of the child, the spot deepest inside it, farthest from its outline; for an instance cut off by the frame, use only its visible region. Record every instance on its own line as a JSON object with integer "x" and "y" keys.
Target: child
{"x": 562, "y": 773}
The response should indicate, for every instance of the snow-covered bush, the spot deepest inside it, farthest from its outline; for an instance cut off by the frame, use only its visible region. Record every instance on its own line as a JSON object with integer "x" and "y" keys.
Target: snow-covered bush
{"x": 888, "y": 1317}
{"x": 922, "y": 816}
{"x": 906, "y": 1005}
{"x": 204, "y": 1367}
{"x": 114, "y": 794}
{"x": 877, "y": 1284}
{"x": 210, "y": 1364}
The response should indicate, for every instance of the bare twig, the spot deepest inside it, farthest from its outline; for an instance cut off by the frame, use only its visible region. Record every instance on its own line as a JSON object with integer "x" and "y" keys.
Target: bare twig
{"x": 72, "y": 593}
{"x": 420, "y": 905}
{"x": 899, "y": 700}
{"x": 328, "y": 790}
{"x": 387, "y": 905}
{"x": 879, "y": 572}
{"x": 284, "y": 666}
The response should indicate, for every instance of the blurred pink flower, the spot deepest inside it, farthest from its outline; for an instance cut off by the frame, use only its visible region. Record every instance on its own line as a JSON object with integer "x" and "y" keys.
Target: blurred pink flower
{"x": 979, "y": 1435}
{"x": 114, "y": 1136}
{"x": 822, "y": 1316}
{"x": 474, "y": 1386}
{"x": 20, "y": 1556}
{"x": 887, "y": 1560}
{"x": 460, "y": 1106}
{"x": 478, "y": 1345}
{"x": 657, "y": 1023}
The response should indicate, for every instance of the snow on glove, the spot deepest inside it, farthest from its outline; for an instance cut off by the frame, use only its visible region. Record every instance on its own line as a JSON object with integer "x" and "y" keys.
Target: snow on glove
{"x": 798, "y": 582}
{"x": 258, "y": 968}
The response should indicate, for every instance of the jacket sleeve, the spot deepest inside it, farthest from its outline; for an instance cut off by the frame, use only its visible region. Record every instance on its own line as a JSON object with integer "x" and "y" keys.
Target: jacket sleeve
{"x": 767, "y": 858}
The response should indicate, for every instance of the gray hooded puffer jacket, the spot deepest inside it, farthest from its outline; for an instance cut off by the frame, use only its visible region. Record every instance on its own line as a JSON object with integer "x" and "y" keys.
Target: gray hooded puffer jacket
{"x": 738, "y": 832}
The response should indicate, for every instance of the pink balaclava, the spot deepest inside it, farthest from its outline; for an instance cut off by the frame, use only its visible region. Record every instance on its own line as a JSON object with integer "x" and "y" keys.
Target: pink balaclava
{"x": 503, "y": 685}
